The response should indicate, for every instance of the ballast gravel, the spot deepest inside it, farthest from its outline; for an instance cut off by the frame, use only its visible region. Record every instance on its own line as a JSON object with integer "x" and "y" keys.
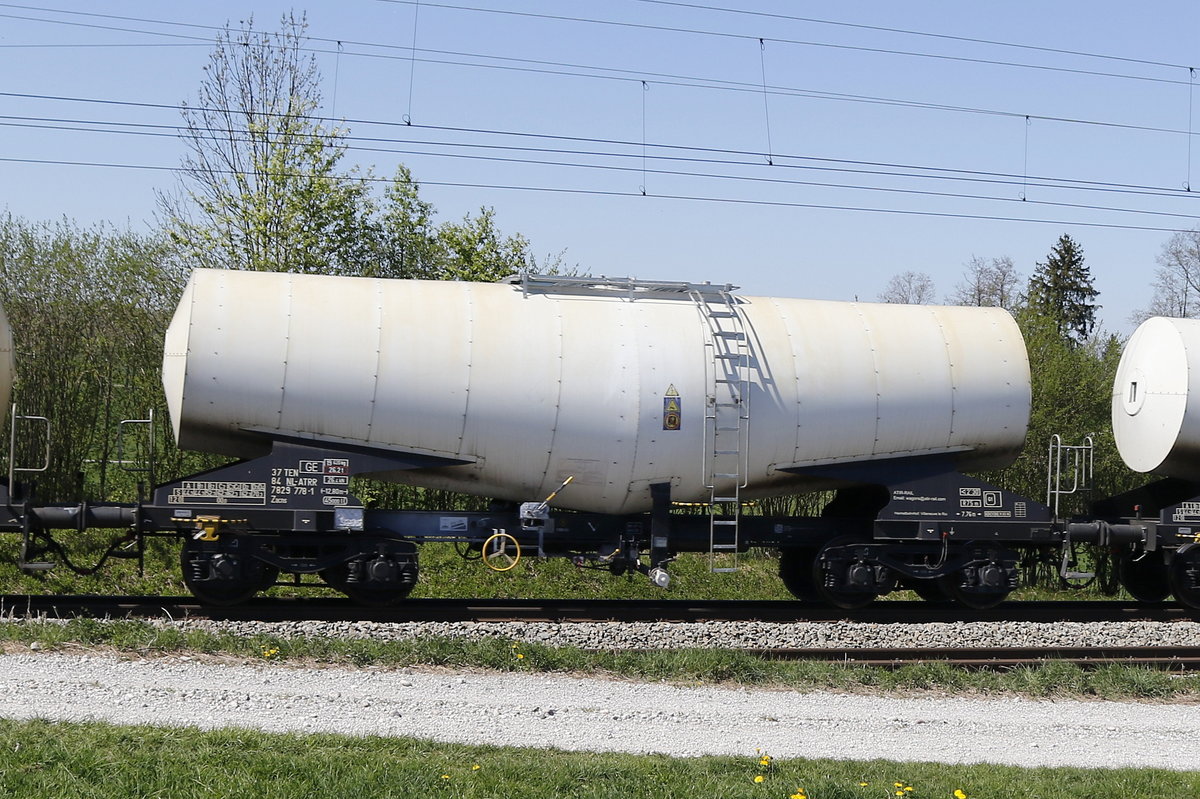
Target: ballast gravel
{"x": 748, "y": 634}
{"x": 597, "y": 715}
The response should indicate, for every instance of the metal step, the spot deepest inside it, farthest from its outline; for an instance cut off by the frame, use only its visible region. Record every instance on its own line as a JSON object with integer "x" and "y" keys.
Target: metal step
{"x": 725, "y": 523}
{"x": 36, "y": 565}
{"x": 725, "y": 499}
{"x": 727, "y": 475}
{"x": 731, "y": 334}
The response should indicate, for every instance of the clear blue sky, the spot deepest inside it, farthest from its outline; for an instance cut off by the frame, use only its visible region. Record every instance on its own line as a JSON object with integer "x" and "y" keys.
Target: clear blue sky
{"x": 853, "y": 116}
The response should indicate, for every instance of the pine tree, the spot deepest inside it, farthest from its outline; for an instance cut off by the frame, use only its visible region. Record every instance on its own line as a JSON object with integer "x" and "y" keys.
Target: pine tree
{"x": 1061, "y": 290}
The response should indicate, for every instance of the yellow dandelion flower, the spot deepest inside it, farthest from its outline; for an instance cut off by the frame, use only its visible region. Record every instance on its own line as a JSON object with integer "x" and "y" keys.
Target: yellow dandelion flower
{"x": 899, "y": 793}
{"x": 959, "y": 793}
{"x": 445, "y": 776}
{"x": 759, "y": 778}
{"x": 765, "y": 760}
{"x": 863, "y": 784}
{"x": 798, "y": 795}
{"x": 897, "y": 785}
{"x": 476, "y": 767}
{"x": 520, "y": 656}
{"x": 908, "y": 788}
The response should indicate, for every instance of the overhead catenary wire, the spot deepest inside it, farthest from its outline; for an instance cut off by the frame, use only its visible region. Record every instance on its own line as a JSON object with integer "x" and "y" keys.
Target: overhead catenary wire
{"x": 660, "y": 153}
{"x": 750, "y": 156}
{"x": 539, "y": 66}
{"x": 660, "y": 196}
{"x": 909, "y": 32}
{"x": 782, "y": 40}
{"x": 224, "y": 136}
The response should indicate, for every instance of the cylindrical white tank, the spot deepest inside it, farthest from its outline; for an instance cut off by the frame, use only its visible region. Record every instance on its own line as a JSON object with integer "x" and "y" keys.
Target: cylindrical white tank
{"x": 615, "y": 388}
{"x": 6, "y": 365}
{"x": 1156, "y": 398}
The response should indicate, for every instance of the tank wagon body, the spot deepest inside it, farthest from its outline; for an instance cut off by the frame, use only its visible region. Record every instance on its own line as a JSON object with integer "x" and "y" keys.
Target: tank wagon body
{"x": 518, "y": 387}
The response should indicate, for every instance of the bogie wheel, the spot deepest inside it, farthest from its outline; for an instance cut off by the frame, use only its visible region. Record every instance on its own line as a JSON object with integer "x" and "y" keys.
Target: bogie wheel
{"x": 374, "y": 582}
{"x": 1144, "y": 576}
{"x": 796, "y": 571}
{"x": 223, "y": 578}
{"x": 989, "y": 576}
{"x": 844, "y": 577}
{"x": 1183, "y": 575}
{"x": 953, "y": 587}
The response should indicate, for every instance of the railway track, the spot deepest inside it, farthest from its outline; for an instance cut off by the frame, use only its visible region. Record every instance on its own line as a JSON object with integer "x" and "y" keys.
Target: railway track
{"x": 581, "y": 610}
{"x": 1173, "y": 658}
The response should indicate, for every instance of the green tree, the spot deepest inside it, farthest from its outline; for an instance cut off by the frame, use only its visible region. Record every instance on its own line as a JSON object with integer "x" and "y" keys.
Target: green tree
{"x": 88, "y": 307}
{"x": 1061, "y": 290}
{"x": 263, "y": 188}
{"x": 1071, "y": 388}
{"x": 261, "y": 183}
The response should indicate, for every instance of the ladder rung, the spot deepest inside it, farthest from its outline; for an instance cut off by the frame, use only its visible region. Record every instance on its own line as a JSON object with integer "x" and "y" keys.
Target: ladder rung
{"x": 737, "y": 334}
{"x": 730, "y": 356}
{"x": 726, "y": 475}
{"x": 730, "y": 380}
{"x": 727, "y": 428}
{"x": 36, "y": 565}
{"x": 737, "y": 404}
{"x": 721, "y": 314}
{"x": 724, "y": 571}
{"x": 725, "y": 499}
{"x": 726, "y": 452}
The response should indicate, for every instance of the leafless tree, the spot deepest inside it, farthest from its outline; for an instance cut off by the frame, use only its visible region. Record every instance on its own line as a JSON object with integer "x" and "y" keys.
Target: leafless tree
{"x": 909, "y": 288}
{"x": 994, "y": 283}
{"x": 1177, "y": 281}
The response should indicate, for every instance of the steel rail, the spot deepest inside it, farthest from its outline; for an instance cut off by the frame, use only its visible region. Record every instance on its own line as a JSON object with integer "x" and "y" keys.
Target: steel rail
{"x": 583, "y": 610}
{"x": 1173, "y": 658}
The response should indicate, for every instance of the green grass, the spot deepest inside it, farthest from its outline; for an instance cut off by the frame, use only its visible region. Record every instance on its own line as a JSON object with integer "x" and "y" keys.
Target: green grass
{"x": 688, "y": 666}
{"x": 41, "y": 759}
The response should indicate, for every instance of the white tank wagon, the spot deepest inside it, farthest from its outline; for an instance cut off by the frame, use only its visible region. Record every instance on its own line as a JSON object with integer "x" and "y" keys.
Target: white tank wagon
{"x": 1156, "y": 398}
{"x": 619, "y": 384}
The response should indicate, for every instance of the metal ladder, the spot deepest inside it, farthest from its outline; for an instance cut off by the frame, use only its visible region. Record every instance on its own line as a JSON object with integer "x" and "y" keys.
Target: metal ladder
{"x": 726, "y": 424}
{"x": 1069, "y": 470}
{"x": 1068, "y": 461}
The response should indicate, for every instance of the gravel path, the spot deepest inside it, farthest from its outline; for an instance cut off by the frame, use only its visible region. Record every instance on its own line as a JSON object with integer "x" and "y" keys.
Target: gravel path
{"x": 597, "y": 715}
